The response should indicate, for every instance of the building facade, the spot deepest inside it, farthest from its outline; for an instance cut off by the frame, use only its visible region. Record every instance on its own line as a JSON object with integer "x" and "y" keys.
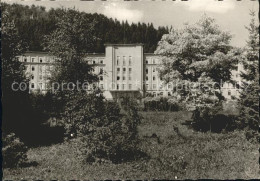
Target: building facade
{"x": 124, "y": 70}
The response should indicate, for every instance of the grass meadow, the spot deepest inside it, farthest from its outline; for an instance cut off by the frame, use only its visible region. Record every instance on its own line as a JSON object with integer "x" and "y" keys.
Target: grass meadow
{"x": 173, "y": 151}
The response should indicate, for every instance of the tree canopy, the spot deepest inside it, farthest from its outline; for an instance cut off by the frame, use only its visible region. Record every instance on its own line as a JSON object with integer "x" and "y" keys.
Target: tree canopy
{"x": 34, "y": 22}
{"x": 197, "y": 54}
{"x": 249, "y": 98}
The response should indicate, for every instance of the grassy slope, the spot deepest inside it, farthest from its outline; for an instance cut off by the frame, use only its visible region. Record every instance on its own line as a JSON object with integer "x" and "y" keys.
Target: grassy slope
{"x": 186, "y": 154}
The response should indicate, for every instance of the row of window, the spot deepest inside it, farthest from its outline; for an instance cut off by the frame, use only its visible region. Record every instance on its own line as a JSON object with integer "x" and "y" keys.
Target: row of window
{"x": 33, "y": 59}
{"x": 123, "y": 87}
{"x": 124, "y": 61}
{"x": 153, "y": 61}
{"x": 154, "y": 78}
{"x": 124, "y": 69}
{"x": 124, "y": 78}
{"x": 48, "y": 68}
{"x": 97, "y": 61}
{"x": 41, "y": 77}
{"x": 39, "y": 84}
{"x": 154, "y": 86}
{"x": 160, "y": 94}
{"x": 153, "y": 69}
{"x": 99, "y": 70}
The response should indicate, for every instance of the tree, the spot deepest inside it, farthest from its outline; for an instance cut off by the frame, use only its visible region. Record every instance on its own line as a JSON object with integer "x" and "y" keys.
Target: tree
{"x": 197, "y": 58}
{"x": 15, "y": 102}
{"x": 249, "y": 98}
{"x": 106, "y": 132}
{"x": 69, "y": 44}
{"x": 34, "y": 22}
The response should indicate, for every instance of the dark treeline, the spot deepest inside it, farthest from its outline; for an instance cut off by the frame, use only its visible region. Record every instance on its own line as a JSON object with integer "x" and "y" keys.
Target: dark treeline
{"x": 34, "y": 22}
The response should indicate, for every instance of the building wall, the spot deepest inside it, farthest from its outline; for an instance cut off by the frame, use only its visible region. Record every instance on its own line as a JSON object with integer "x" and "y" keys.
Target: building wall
{"x": 232, "y": 90}
{"x": 124, "y": 70}
{"x": 38, "y": 66}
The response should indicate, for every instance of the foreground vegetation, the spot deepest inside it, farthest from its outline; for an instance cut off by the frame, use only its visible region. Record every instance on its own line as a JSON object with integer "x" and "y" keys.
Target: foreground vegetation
{"x": 171, "y": 150}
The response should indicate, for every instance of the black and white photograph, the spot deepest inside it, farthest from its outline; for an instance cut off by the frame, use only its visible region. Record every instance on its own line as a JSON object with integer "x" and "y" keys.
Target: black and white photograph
{"x": 130, "y": 90}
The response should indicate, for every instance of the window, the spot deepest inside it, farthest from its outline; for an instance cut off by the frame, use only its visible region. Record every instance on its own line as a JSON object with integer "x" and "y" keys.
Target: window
{"x": 40, "y": 77}
{"x": 146, "y": 77}
{"x": 118, "y": 78}
{"x": 117, "y": 60}
{"x": 101, "y": 70}
{"x": 32, "y": 77}
{"x": 40, "y": 68}
{"x": 32, "y": 85}
{"x": 101, "y": 61}
{"x": 124, "y": 69}
{"x": 123, "y": 77}
{"x": 153, "y": 69}
{"x": 25, "y": 59}
{"x": 123, "y": 60}
{"x": 33, "y": 68}
{"x": 153, "y": 77}
{"x": 154, "y": 94}
{"x": 146, "y": 61}
{"x": 101, "y": 86}
{"x": 146, "y": 70}
{"x": 229, "y": 92}
{"x": 117, "y": 86}
{"x": 123, "y": 86}
{"x": 101, "y": 77}
{"x": 118, "y": 70}
{"x": 130, "y": 60}
{"x": 161, "y": 93}
{"x": 94, "y": 62}
{"x": 147, "y": 86}
{"x": 169, "y": 94}
{"x": 154, "y": 86}
{"x": 160, "y": 78}
{"x": 130, "y": 70}
{"x": 33, "y": 59}
{"x": 40, "y": 60}
{"x": 130, "y": 86}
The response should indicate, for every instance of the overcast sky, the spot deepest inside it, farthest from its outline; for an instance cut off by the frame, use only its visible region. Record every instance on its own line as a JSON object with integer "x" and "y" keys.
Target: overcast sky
{"x": 230, "y": 15}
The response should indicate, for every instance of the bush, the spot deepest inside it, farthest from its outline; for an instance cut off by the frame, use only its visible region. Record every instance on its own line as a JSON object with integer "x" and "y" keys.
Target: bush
{"x": 213, "y": 119}
{"x": 161, "y": 104}
{"x": 14, "y": 151}
{"x": 107, "y": 132}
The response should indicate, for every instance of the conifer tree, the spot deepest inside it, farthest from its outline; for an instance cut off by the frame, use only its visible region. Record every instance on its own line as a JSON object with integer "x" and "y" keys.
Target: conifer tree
{"x": 249, "y": 98}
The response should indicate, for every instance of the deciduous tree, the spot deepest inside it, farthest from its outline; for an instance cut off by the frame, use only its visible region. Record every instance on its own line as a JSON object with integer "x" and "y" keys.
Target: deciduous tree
{"x": 197, "y": 58}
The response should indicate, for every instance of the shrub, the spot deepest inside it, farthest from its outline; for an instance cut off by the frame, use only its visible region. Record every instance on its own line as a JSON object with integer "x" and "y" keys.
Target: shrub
{"x": 161, "y": 104}
{"x": 213, "y": 119}
{"x": 14, "y": 151}
{"x": 107, "y": 132}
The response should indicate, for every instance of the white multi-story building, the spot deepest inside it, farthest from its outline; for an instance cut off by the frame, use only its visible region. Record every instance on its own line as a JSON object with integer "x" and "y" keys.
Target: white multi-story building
{"x": 124, "y": 70}
{"x": 232, "y": 90}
